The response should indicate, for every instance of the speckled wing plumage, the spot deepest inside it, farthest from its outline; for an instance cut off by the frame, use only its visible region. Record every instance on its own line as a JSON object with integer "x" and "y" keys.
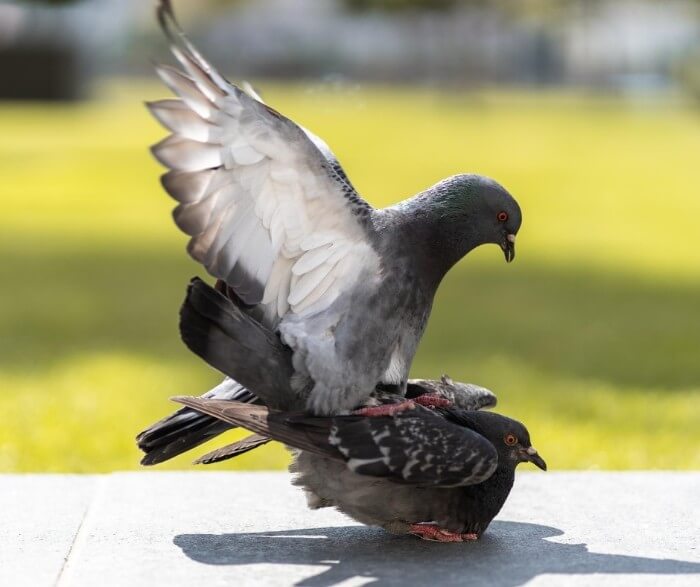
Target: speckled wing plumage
{"x": 417, "y": 447}
{"x": 266, "y": 205}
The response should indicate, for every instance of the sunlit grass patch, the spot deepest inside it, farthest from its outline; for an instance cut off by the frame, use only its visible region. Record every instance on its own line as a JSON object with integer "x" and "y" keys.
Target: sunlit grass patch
{"x": 591, "y": 337}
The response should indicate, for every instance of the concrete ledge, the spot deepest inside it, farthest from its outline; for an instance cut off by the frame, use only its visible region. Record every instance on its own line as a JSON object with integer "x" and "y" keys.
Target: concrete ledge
{"x": 254, "y": 529}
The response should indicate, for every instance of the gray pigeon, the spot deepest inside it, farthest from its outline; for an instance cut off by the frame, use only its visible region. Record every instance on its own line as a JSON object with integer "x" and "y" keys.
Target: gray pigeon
{"x": 271, "y": 213}
{"x": 221, "y": 331}
{"x": 440, "y": 474}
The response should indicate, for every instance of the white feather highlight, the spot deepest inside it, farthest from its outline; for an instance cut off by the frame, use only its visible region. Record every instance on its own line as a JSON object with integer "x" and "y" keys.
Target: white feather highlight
{"x": 184, "y": 87}
{"x": 253, "y": 192}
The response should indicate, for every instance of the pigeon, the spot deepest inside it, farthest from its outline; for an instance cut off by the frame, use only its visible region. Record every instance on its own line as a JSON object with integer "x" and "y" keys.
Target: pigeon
{"x": 441, "y": 474}
{"x": 220, "y": 330}
{"x": 272, "y": 214}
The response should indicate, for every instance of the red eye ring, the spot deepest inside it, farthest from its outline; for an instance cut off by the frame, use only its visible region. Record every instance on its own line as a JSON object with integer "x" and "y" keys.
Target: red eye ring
{"x": 510, "y": 439}
{"x": 502, "y": 216}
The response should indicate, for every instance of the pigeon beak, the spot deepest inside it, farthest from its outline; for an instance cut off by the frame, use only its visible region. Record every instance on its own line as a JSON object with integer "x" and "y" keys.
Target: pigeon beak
{"x": 508, "y": 246}
{"x": 530, "y": 455}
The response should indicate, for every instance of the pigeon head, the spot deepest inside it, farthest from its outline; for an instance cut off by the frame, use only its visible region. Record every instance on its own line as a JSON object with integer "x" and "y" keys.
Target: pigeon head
{"x": 480, "y": 211}
{"x": 510, "y": 438}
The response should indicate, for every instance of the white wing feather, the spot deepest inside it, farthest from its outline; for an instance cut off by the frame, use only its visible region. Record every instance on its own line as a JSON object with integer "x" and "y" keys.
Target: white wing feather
{"x": 264, "y": 210}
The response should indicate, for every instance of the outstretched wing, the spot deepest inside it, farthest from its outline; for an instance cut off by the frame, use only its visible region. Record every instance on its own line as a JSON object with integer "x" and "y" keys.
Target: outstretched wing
{"x": 416, "y": 447}
{"x": 266, "y": 205}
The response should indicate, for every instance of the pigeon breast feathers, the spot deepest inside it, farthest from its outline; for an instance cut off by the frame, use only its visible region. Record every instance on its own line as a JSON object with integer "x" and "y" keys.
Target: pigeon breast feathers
{"x": 266, "y": 205}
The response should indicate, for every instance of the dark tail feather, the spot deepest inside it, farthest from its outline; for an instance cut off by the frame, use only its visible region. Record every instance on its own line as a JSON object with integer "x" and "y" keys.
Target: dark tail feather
{"x": 226, "y": 337}
{"x": 176, "y": 434}
{"x": 312, "y": 435}
{"x": 232, "y": 450}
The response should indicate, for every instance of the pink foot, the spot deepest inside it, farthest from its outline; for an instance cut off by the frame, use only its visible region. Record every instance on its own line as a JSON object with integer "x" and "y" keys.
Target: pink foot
{"x": 386, "y": 409}
{"x": 434, "y": 533}
{"x": 432, "y": 400}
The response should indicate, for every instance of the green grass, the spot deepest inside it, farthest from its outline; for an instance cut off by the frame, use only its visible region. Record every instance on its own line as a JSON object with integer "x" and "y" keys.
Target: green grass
{"x": 592, "y": 337}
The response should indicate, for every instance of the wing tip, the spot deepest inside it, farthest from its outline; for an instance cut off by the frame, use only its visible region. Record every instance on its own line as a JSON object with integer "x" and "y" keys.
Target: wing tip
{"x": 161, "y": 154}
{"x": 185, "y": 400}
{"x": 249, "y": 89}
{"x": 166, "y": 16}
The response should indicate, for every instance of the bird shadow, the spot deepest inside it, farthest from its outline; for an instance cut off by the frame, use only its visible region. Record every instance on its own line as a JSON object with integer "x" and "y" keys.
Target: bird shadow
{"x": 510, "y": 554}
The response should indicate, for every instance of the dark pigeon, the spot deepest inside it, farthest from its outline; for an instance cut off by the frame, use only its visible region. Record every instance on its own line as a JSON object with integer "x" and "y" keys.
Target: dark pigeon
{"x": 441, "y": 474}
{"x": 272, "y": 214}
{"x": 221, "y": 331}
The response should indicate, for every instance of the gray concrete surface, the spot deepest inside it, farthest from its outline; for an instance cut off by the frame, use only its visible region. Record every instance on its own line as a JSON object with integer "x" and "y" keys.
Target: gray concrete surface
{"x": 134, "y": 529}
{"x": 39, "y": 519}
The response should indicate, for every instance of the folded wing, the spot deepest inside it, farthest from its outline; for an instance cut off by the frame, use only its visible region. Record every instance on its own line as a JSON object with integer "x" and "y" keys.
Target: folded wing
{"x": 417, "y": 447}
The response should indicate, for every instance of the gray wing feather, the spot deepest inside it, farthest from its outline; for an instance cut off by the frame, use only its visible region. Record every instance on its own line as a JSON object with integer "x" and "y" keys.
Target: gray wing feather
{"x": 225, "y": 336}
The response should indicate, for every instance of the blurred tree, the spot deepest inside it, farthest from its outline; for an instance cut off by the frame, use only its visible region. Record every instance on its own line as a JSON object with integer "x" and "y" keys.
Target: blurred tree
{"x": 551, "y": 9}
{"x": 49, "y": 2}
{"x": 399, "y": 5}
{"x": 686, "y": 70}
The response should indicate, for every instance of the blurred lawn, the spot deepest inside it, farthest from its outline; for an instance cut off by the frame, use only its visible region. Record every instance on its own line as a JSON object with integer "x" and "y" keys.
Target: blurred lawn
{"x": 592, "y": 337}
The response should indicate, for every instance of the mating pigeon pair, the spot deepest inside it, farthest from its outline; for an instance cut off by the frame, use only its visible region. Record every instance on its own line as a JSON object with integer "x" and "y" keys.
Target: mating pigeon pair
{"x": 322, "y": 302}
{"x": 434, "y": 465}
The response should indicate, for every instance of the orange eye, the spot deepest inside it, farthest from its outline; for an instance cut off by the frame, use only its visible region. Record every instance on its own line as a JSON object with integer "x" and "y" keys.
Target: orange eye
{"x": 510, "y": 439}
{"x": 502, "y": 216}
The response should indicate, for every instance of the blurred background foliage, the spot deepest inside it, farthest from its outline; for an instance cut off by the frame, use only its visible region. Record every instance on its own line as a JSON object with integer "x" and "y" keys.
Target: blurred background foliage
{"x": 592, "y": 337}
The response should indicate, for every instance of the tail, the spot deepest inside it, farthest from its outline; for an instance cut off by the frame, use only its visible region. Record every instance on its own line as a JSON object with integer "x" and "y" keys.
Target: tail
{"x": 232, "y": 450}
{"x": 292, "y": 428}
{"x": 176, "y": 434}
{"x": 230, "y": 340}
{"x": 221, "y": 332}
{"x": 187, "y": 428}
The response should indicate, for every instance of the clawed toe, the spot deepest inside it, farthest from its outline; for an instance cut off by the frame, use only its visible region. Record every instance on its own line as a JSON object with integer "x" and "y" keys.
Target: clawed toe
{"x": 434, "y": 533}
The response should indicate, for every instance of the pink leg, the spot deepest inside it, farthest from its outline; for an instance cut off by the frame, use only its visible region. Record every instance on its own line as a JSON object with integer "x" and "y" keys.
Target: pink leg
{"x": 432, "y": 400}
{"x": 434, "y": 533}
{"x": 386, "y": 409}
